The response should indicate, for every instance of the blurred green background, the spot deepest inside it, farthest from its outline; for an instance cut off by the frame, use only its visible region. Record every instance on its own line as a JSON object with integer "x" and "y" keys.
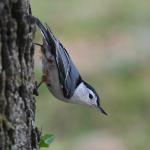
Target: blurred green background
{"x": 109, "y": 41}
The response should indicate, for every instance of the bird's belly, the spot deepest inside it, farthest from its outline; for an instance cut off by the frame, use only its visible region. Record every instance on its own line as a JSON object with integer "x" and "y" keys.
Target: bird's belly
{"x": 52, "y": 79}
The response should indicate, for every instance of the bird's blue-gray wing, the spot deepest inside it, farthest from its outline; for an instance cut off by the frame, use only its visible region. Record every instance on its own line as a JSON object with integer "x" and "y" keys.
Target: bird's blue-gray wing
{"x": 68, "y": 74}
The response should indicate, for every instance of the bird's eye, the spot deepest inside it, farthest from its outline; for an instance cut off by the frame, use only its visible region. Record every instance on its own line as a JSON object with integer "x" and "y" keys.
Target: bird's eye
{"x": 90, "y": 96}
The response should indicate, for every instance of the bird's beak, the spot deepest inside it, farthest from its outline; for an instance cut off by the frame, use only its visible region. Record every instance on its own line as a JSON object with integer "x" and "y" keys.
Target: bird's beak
{"x": 102, "y": 110}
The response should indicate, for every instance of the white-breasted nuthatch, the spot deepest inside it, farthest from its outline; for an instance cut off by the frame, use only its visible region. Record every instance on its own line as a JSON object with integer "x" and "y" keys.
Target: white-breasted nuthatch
{"x": 60, "y": 74}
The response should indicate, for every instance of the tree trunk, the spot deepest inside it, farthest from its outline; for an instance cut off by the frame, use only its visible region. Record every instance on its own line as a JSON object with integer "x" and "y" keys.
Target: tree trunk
{"x": 17, "y": 103}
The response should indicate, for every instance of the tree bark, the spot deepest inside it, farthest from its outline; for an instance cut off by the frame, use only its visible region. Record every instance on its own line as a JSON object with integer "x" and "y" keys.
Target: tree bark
{"x": 17, "y": 103}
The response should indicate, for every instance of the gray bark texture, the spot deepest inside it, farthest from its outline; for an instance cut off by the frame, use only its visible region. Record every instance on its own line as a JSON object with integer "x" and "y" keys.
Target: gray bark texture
{"x": 17, "y": 103}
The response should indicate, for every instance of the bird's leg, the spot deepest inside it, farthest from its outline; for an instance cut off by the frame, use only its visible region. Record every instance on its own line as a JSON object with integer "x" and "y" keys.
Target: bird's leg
{"x": 38, "y": 44}
{"x": 37, "y": 85}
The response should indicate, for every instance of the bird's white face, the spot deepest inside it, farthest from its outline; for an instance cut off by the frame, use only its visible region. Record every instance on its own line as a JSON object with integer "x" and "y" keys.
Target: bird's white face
{"x": 84, "y": 95}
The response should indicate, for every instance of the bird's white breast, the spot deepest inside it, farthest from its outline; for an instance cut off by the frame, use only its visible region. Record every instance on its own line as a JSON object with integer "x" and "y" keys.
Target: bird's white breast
{"x": 51, "y": 71}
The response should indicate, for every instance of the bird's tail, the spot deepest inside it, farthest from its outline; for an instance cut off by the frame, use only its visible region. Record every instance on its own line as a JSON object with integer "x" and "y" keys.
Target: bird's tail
{"x": 47, "y": 34}
{"x": 42, "y": 28}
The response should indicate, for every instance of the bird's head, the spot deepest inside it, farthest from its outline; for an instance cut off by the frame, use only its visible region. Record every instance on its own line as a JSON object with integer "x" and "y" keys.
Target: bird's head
{"x": 85, "y": 94}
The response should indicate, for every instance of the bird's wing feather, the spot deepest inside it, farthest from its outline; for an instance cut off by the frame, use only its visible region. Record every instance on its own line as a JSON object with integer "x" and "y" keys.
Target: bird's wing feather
{"x": 68, "y": 74}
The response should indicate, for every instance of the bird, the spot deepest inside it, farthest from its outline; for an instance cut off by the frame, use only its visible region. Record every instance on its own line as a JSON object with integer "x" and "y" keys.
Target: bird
{"x": 60, "y": 73}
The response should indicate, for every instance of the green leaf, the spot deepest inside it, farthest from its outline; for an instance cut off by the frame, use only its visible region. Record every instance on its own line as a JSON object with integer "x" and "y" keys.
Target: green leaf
{"x": 46, "y": 140}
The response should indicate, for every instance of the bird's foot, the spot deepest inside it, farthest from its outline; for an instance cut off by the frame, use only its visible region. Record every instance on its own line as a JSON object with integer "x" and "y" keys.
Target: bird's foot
{"x": 35, "y": 90}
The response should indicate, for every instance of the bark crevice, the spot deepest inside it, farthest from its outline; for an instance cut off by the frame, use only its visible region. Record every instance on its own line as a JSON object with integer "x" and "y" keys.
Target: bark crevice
{"x": 17, "y": 103}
